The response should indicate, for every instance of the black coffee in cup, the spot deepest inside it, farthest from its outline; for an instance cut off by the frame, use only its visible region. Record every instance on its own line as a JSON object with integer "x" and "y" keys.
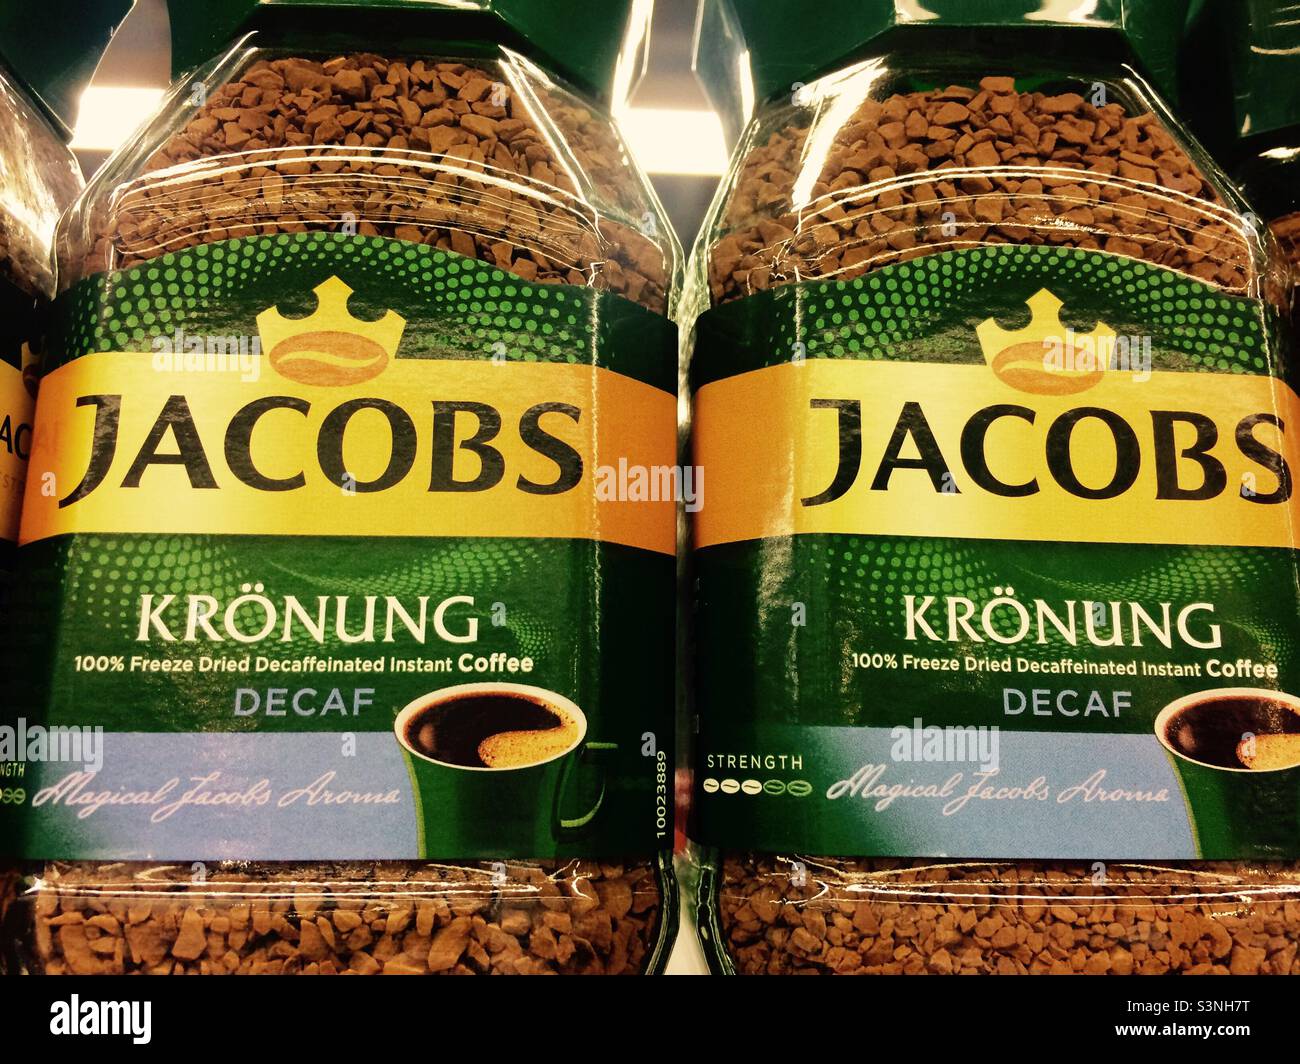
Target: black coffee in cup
{"x": 491, "y": 729}
{"x": 1237, "y": 731}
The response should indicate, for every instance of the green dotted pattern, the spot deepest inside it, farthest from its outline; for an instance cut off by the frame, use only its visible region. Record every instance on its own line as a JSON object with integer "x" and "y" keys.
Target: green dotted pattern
{"x": 852, "y": 590}
{"x": 82, "y": 595}
{"x": 926, "y": 309}
{"x": 852, "y": 586}
{"x": 936, "y": 300}
{"x": 455, "y": 307}
{"x": 533, "y": 596}
{"x": 868, "y": 577}
{"x": 102, "y": 576}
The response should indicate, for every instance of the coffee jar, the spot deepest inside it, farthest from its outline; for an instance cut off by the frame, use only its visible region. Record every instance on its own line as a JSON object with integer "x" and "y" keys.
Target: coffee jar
{"x": 40, "y": 81}
{"x": 355, "y": 345}
{"x": 41, "y": 77}
{"x": 991, "y": 385}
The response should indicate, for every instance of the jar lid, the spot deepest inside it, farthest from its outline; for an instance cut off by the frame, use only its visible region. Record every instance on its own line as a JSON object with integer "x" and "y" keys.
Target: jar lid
{"x": 785, "y": 46}
{"x": 593, "y": 44}
{"x": 53, "y": 47}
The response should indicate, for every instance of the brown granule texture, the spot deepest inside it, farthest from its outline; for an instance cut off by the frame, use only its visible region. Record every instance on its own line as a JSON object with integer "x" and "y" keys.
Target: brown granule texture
{"x": 839, "y": 916}
{"x": 39, "y": 179}
{"x": 1287, "y": 231}
{"x": 574, "y": 918}
{"x": 437, "y": 153}
{"x": 926, "y": 172}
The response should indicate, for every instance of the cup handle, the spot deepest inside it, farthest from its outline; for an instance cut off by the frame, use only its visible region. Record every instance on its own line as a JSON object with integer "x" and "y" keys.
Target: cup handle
{"x": 569, "y": 828}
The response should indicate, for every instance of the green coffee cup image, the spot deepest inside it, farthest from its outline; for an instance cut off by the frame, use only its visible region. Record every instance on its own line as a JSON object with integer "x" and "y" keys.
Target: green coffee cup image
{"x": 495, "y": 761}
{"x": 1237, "y": 754}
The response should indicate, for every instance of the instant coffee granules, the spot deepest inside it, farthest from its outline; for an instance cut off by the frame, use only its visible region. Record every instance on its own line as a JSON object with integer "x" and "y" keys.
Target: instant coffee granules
{"x": 446, "y": 154}
{"x": 984, "y": 345}
{"x": 887, "y": 917}
{"x": 367, "y": 314}
{"x": 1287, "y": 231}
{"x": 969, "y": 166}
{"x": 575, "y": 918}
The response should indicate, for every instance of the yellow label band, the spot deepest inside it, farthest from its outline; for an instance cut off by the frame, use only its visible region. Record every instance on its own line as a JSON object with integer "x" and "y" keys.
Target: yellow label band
{"x": 922, "y": 449}
{"x": 427, "y": 448}
{"x": 16, "y": 404}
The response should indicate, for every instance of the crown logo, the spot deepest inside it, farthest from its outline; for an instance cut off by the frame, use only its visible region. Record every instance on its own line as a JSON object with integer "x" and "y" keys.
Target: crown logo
{"x": 1045, "y": 357}
{"x": 329, "y": 347}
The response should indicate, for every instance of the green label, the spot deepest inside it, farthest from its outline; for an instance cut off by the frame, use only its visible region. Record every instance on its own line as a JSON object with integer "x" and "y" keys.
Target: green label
{"x": 997, "y": 561}
{"x": 18, "y": 375}
{"x": 324, "y": 559}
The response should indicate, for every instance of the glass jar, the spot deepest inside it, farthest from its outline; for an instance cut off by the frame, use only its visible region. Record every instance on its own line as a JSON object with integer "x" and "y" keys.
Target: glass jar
{"x": 39, "y": 177}
{"x": 842, "y": 179}
{"x": 380, "y": 141}
{"x": 1252, "y": 123}
{"x": 875, "y": 215}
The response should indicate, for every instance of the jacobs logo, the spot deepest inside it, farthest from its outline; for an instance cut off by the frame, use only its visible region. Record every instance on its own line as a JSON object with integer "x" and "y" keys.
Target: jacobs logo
{"x": 1046, "y": 358}
{"x": 1076, "y": 436}
{"x": 1093, "y": 452}
{"x": 330, "y": 347}
{"x": 345, "y": 437}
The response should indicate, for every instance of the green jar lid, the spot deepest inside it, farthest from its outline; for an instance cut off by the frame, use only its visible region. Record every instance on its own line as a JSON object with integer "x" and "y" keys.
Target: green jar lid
{"x": 790, "y": 41}
{"x": 53, "y": 47}
{"x": 583, "y": 40}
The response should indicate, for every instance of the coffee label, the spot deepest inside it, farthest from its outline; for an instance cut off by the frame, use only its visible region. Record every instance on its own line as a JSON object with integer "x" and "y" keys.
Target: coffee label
{"x": 511, "y": 447}
{"x": 18, "y": 376}
{"x": 16, "y": 403}
{"x": 942, "y": 450}
{"x": 342, "y": 547}
{"x": 1011, "y": 536}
